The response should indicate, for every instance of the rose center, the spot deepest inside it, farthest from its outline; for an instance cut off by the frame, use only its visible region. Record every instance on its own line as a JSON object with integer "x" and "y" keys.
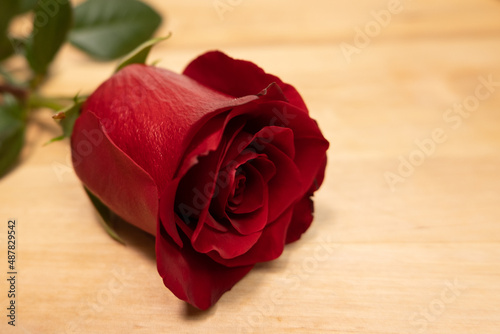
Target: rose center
{"x": 238, "y": 187}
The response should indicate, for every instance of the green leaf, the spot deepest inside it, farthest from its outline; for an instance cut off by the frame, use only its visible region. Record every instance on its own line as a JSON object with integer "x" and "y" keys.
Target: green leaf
{"x": 12, "y": 128}
{"x": 51, "y": 24}
{"x": 105, "y": 214}
{"x": 109, "y": 29}
{"x": 8, "y": 11}
{"x": 140, "y": 54}
{"x": 25, "y": 5}
{"x": 6, "y": 47}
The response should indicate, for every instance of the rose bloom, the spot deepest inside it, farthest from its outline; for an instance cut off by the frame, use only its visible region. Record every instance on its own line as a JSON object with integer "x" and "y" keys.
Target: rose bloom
{"x": 219, "y": 163}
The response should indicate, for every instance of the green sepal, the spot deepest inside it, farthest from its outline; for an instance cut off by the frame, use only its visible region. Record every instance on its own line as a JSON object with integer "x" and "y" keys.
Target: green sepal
{"x": 105, "y": 215}
{"x": 140, "y": 54}
{"x": 67, "y": 118}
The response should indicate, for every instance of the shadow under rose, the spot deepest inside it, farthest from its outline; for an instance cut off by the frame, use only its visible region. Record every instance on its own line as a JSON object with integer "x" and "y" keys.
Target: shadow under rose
{"x": 246, "y": 291}
{"x": 134, "y": 237}
{"x": 241, "y": 294}
{"x": 193, "y": 313}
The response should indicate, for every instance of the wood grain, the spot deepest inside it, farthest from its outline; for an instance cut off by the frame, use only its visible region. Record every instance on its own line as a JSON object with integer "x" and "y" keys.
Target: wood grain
{"x": 422, "y": 256}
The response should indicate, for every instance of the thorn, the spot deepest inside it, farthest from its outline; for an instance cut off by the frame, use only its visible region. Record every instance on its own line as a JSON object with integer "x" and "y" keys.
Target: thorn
{"x": 59, "y": 115}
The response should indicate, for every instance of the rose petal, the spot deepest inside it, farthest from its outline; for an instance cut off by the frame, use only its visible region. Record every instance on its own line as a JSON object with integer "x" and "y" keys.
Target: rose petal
{"x": 272, "y": 92}
{"x": 237, "y": 77}
{"x": 286, "y": 186}
{"x": 235, "y": 197}
{"x": 281, "y": 138}
{"x": 226, "y": 171}
{"x": 251, "y": 216}
{"x": 239, "y": 152}
{"x": 193, "y": 277}
{"x": 196, "y": 192}
{"x": 265, "y": 167}
{"x": 301, "y": 219}
{"x": 283, "y": 114}
{"x": 166, "y": 213}
{"x": 311, "y": 159}
{"x": 258, "y": 172}
{"x": 269, "y": 246}
{"x": 112, "y": 175}
{"x": 204, "y": 237}
{"x": 196, "y": 188}
{"x": 225, "y": 182}
{"x": 320, "y": 176}
{"x": 310, "y": 145}
{"x": 231, "y": 167}
{"x": 251, "y": 222}
{"x": 236, "y": 153}
{"x": 227, "y": 244}
{"x": 150, "y": 110}
{"x": 217, "y": 121}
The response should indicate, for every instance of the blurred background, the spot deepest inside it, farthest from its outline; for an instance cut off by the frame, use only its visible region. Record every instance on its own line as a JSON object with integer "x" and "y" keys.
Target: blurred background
{"x": 406, "y": 236}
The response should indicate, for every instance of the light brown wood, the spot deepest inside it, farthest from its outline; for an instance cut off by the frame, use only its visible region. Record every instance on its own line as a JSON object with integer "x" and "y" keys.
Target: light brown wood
{"x": 420, "y": 256}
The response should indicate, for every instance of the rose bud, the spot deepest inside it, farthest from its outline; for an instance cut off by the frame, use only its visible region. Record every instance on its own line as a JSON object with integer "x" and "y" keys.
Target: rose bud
{"x": 219, "y": 163}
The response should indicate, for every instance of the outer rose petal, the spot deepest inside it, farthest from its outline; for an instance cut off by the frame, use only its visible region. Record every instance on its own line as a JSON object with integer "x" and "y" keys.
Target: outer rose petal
{"x": 151, "y": 110}
{"x": 192, "y": 276}
{"x": 237, "y": 77}
{"x": 319, "y": 177}
{"x": 112, "y": 176}
{"x": 301, "y": 219}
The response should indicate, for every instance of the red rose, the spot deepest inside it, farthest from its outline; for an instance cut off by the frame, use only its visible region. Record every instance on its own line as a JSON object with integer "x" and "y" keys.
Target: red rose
{"x": 219, "y": 163}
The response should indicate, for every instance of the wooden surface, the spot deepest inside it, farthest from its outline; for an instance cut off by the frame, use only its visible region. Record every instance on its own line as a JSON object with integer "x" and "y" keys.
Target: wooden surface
{"x": 420, "y": 256}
